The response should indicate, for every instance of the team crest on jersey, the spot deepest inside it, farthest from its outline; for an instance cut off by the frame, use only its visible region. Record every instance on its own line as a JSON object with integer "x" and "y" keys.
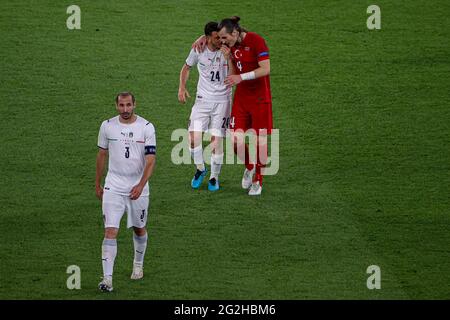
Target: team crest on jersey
{"x": 127, "y": 134}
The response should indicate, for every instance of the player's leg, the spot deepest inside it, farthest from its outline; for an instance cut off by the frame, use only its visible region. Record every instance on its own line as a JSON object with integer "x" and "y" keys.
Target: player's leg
{"x": 113, "y": 208}
{"x": 216, "y": 162}
{"x": 241, "y": 148}
{"x": 239, "y": 123}
{"x": 257, "y": 181}
{"x": 140, "y": 246}
{"x": 262, "y": 124}
{"x": 220, "y": 119}
{"x": 196, "y": 149}
{"x": 198, "y": 123}
{"x": 137, "y": 218}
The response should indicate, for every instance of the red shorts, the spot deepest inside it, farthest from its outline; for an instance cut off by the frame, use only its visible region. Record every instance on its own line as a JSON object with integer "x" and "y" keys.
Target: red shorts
{"x": 248, "y": 113}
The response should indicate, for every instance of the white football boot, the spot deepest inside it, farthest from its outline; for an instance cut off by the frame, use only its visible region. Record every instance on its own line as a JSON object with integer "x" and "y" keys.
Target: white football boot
{"x": 248, "y": 177}
{"x": 106, "y": 284}
{"x": 138, "y": 271}
{"x": 255, "y": 189}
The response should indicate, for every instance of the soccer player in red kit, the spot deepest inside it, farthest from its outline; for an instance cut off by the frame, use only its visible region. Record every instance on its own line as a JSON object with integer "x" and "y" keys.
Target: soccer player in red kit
{"x": 252, "y": 105}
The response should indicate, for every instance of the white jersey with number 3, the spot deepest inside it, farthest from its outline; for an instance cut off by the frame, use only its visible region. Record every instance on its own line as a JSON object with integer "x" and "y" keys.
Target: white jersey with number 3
{"x": 213, "y": 69}
{"x": 127, "y": 145}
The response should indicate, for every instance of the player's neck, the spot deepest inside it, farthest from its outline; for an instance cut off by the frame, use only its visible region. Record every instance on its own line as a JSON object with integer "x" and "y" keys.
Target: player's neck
{"x": 241, "y": 37}
{"x": 128, "y": 121}
{"x": 211, "y": 47}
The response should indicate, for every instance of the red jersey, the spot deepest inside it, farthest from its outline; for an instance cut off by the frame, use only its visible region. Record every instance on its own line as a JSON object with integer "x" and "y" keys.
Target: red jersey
{"x": 246, "y": 56}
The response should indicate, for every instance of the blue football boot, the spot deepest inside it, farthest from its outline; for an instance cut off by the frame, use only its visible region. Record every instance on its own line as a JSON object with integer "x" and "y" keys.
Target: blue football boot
{"x": 213, "y": 184}
{"x": 198, "y": 178}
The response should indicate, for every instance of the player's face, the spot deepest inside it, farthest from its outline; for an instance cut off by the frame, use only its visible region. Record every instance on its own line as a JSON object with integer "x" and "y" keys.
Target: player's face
{"x": 125, "y": 107}
{"x": 228, "y": 39}
{"x": 215, "y": 40}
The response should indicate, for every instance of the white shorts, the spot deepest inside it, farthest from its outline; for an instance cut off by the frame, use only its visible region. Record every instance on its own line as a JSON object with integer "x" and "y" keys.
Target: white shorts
{"x": 210, "y": 117}
{"x": 114, "y": 206}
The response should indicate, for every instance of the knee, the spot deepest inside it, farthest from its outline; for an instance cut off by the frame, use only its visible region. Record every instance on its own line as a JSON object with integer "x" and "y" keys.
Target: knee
{"x": 193, "y": 140}
{"x": 111, "y": 233}
{"x": 140, "y": 231}
{"x": 191, "y": 143}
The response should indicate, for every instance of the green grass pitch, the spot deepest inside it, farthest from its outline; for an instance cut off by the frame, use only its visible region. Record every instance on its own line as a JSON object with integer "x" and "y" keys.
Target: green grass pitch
{"x": 364, "y": 152}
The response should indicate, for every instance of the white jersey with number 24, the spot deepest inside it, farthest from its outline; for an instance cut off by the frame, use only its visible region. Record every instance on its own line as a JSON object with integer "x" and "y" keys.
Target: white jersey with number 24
{"x": 213, "y": 69}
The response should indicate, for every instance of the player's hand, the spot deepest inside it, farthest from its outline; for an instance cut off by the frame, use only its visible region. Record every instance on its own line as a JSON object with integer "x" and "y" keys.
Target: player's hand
{"x": 199, "y": 44}
{"x": 225, "y": 51}
{"x": 183, "y": 94}
{"x": 136, "y": 192}
{"x": 99, "y": 192}
{"x": 233, "y": 80}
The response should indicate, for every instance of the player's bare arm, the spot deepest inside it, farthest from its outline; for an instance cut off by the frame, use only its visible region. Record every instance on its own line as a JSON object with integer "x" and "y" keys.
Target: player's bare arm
{"x": 183, "y": 94}
{"x": 136, "y": 191}
{"x": 100, "y": 167}
{"x": 262, "y": 71}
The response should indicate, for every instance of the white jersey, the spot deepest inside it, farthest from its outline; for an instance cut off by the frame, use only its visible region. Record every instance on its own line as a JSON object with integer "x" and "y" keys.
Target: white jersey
{"x": 212, "y": 69}
{"x": 127, "y": 145}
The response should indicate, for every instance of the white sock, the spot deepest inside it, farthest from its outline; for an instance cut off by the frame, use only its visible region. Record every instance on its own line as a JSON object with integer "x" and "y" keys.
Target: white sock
{"x": 109, "y": 252}
{"x": 197, "y": 156}
{"x": 140, "y": 244}
{"x": 216, "y": 165}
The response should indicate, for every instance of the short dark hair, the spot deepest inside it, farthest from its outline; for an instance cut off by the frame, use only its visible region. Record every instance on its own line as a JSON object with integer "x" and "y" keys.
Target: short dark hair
{"x": 231, "y": 24}
{"x": 210, "y": 27}
{"x": 125, "y": 94}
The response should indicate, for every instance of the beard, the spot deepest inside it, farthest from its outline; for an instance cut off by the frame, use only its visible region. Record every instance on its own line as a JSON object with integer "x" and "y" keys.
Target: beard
{"x": 126, "y": 115}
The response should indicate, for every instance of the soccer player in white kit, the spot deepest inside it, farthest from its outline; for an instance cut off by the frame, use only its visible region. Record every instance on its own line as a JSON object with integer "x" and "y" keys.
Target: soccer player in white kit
{"x": 130, "y": 143}
{"x": 212, "y": 108}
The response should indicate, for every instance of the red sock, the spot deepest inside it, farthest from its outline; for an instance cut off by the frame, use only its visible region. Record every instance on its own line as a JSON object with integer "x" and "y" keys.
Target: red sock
{"x": 258, "y": 177}
{"x": 261, "y": 162}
